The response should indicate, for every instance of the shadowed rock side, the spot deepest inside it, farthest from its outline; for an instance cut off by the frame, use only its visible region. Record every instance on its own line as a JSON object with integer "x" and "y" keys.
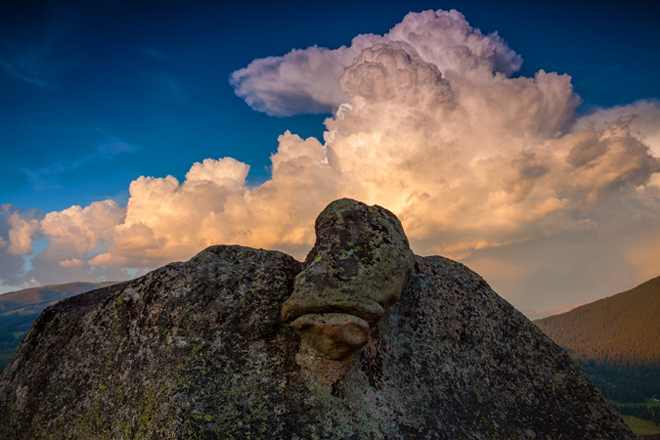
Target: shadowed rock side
{"x": 191, "y": 350}
{"x": 198, "y": 350}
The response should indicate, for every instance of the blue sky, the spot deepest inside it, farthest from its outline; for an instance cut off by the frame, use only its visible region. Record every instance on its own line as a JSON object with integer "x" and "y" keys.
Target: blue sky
{"x": 153, "y": 76}
{"x": 94, "y": 95}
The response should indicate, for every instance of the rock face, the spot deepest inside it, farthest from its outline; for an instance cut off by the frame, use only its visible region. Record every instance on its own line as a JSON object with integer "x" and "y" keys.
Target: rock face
{"x": 200, "y": 350}
{"x": 355, "y": 271}
{"x": 358, "y": 266}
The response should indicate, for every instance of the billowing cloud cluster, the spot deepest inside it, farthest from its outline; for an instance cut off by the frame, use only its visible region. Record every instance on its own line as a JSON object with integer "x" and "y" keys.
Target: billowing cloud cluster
{"x": 429, "y": 122}
{"x": 305, "y": 81}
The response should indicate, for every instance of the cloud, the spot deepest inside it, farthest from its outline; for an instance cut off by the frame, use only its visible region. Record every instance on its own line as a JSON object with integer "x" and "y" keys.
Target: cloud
{"x": 279, "y": 86}
{"x": 17, "y": 230}
{"x": 74, "y": 262}
{"x": 642, "y": 117}
{"x": 496, "y": 170}
{"x": 74, "y": 236}
{"x": 80, "y": 230}
{"x": 21, "y": 233}
{"x": 48, "y": 177}
{"x": 305, "y": 81}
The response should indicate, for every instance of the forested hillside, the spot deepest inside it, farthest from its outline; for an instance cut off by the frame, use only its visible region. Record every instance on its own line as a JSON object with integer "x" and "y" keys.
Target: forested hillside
{"x": 617, "y": 341}
{"x": 18, "y": 310}
{"x": 623, "y": 329}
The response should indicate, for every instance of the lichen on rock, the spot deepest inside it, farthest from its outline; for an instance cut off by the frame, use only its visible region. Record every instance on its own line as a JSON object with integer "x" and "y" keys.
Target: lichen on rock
{"x": 199, "y": 350}
{"x": 354, "y": 272}
{"x": 358, "y": 265}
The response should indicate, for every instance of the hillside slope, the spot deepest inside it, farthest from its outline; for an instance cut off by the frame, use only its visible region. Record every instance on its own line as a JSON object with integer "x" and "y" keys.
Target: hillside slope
{"x": 36, "y": 299}
{"x": 623, "y": 329}
{"x": 18, "y": 310}
{"x": 616, "y": 340}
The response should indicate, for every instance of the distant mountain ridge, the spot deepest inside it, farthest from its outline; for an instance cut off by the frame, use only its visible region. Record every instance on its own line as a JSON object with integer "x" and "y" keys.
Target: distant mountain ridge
{"x": 616, "y": 340}
{"x": 623, "y": 329}
{"x": 36, "y": 299}
{"x": 19, "y": 309}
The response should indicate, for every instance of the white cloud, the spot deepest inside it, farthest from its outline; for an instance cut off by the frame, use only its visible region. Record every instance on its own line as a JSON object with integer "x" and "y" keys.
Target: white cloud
{"x": 498, "y": 171}
{"x": 642, "y": 117}
{"x": 305, "y": 81}
{"x": 279, "y": 86}
{"x": 227, "y": 171}
{"x": 18, "y": 228}
{"x": 74, "y": 262}
{"x": 21, "y": 234}
{"x": 82, "y": 229}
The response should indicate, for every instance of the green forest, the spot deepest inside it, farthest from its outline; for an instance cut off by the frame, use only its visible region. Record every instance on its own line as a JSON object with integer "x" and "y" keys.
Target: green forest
{"x": 12, "y": 330}
{"x": 624, "y": 384}
{"x": 622, "y": 330}
{"x": 617, "y": 342}
{"x": 18, "y": 310}
{"x": 646, "y": 411}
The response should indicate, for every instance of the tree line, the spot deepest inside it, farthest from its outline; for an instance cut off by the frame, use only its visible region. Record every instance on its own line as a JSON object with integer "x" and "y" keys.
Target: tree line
{"x": 12, "y": 330}
{"x": 622, "y": 383}
{"x": 645, "y": 411}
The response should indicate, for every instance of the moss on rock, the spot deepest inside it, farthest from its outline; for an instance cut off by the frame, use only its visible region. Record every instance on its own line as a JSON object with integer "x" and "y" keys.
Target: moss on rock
{"x": 199, "y": 350}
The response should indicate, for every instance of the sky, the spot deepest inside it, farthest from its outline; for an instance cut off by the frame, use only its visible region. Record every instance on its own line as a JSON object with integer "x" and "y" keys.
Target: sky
{"x": 520, "y": 138}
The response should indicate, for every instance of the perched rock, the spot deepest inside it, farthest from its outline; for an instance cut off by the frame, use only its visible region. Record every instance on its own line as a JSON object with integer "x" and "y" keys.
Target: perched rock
{"x": 333, "y": 335}
{"x": 199, "y": 350}
{"x": 358, "y": 266}
{"x": 355, "y": 271}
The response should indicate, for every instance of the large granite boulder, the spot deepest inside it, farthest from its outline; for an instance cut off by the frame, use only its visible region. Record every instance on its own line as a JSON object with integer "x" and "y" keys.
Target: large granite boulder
{"x": 200, "y": 350}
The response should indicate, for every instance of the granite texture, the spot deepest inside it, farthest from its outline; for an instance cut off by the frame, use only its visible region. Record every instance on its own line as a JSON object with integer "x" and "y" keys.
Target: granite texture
{"x": 199, "y": 350}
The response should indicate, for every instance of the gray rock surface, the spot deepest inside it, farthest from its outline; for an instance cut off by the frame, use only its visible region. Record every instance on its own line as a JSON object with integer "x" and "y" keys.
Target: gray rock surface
{"x": 356, "y": 270}
{"x": 199, "y": 350}
{"x": 358, "y": 265}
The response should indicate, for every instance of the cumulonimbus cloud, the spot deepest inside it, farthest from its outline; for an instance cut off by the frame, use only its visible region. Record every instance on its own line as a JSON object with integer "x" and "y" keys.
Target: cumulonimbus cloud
{"x": 305, "y": 81}
{"x": 428, "y": 122}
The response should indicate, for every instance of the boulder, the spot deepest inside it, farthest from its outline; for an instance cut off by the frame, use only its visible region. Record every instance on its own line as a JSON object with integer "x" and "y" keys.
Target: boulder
{"x": 204, "y": 350}
{"x": 356, "y": 270}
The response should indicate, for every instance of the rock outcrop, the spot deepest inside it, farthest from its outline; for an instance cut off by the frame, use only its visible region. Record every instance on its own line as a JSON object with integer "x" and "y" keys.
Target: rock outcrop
{"x": 201, "y": 350}
{"x": 355, "y": 271}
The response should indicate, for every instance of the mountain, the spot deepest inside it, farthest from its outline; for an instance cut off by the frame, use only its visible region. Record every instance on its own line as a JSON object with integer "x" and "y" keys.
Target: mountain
{"x": 623, "y": 329}
{"x": 18, "y": 310}
{"x": 362, "y": 340}
{"x": 617, "y": 341}
{"x": 36, "y": 299}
